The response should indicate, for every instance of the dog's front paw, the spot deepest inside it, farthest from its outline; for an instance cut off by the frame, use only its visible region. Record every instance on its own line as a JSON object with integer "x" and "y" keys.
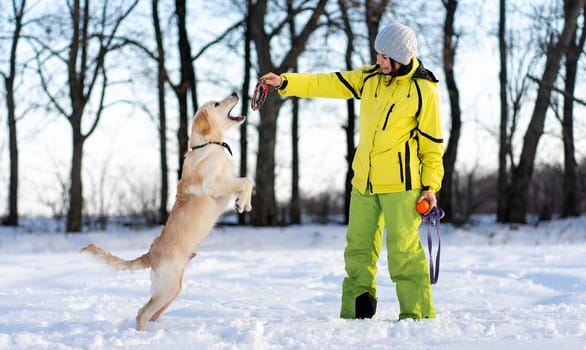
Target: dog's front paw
{"x": 239, "y": 206}
{"x": 244, "y": 195}
{"x": 242, "y": 207}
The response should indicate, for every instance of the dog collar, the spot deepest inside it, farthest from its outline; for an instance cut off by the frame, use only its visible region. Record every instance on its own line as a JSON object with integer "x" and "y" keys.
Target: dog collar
{"x": 223, "y": 144}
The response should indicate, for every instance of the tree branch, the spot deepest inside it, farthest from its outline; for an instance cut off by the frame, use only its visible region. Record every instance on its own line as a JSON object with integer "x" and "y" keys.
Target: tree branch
{"x": 45, "y": 87}
{"x": 560, "y": 91}
{"x": 302, "y": 38}
{"x": 218, "y": 39}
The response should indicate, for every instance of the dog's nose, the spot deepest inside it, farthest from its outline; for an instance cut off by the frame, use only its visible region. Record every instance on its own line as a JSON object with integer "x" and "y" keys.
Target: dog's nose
{"x": 234, "y": 94}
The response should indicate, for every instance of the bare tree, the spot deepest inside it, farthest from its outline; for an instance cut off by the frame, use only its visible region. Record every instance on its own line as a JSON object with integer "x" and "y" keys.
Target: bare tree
{"x": 185, "y": 89}
{"x": 504, "y": 145}
{"x": 9, "y": 78}
{"x": 514, "y": 93}
{"x": 450, "y": 156}
{"x": 242, "y": 218}
{"x": 186, "y": 86}
{"x": 55, "y": 199}
{"x": 523, "y": 171}
{"x": 295, "y": 205}
{"x": 84, "y": 61}
{"x": 99, "y": 204}
{"x": 374, "y": 12}
{"x": 546, "y": 198}
{"x": 265, "y": 212}
{"x": 161, "y": 80}
{"x": 571, "y": 200}
{"x": 137, "y": 199}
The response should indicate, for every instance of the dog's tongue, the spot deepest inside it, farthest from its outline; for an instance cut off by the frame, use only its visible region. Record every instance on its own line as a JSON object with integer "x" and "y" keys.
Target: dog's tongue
{"x": 236, "y": 117}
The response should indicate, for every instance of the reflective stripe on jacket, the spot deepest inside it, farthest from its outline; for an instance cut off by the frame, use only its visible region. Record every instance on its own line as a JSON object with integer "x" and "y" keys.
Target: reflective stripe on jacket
{"x": 401, "y": 145}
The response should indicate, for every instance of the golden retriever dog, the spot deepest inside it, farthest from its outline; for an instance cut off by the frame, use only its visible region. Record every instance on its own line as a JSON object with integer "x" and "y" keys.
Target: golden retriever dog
{"x": 203, "y": 194}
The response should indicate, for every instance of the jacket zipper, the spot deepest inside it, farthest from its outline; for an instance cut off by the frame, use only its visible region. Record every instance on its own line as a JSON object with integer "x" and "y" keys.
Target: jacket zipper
{"x": 387, "y": 117}
{"x": 369, "y": 169}
{"x": 401, "y": 168}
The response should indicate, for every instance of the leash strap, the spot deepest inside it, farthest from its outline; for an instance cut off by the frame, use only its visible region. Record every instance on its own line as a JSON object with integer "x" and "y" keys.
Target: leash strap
{"x": 433, "y": 219}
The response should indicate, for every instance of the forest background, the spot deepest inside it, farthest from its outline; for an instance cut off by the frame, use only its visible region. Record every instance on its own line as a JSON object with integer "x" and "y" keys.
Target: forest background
{"x": 98, "y": 97}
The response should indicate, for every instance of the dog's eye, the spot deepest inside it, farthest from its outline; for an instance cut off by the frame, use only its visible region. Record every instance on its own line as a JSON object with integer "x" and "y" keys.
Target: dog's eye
{"x": 217, "y": 104}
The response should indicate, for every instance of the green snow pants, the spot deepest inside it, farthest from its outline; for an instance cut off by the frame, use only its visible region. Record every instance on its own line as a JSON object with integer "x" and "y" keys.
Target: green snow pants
{"x": 407, "y": 264}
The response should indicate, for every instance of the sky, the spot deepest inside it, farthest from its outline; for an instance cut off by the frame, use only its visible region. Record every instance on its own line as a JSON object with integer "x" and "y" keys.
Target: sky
{"x": 500, "y": 287}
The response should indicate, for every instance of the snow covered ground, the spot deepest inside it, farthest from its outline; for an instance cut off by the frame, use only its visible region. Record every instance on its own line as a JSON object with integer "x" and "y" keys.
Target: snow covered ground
{"x": 500, "y": 287}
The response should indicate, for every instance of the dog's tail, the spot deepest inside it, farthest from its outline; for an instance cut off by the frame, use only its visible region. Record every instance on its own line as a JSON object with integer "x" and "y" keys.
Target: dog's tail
{"x": 115, "y": 262}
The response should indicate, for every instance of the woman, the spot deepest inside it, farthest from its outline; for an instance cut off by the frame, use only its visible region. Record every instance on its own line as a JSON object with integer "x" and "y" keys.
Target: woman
{"x": 398, "y": 163}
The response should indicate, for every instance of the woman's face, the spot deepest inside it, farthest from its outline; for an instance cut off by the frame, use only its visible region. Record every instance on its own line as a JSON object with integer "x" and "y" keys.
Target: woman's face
{"x": 385, "y": 63}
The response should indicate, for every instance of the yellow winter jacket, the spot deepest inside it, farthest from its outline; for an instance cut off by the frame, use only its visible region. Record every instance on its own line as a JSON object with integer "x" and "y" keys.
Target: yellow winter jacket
{"x": 401, "y": 145}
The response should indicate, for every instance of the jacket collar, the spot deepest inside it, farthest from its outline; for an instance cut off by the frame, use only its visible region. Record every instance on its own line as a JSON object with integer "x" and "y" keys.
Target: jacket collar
{"x": 414, "y": 67}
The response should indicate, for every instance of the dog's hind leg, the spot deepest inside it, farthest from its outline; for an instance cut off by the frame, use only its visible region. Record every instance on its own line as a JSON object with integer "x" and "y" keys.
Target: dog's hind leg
{"x": 179, "y": 285}
{"x": 165, "y": 283}
{"x": 144, "y": 312}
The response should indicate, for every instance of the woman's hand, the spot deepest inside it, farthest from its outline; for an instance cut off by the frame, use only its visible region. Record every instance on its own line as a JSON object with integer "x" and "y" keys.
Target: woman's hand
{"x": 271, "y": 79}
{"x": 430, "y": 197}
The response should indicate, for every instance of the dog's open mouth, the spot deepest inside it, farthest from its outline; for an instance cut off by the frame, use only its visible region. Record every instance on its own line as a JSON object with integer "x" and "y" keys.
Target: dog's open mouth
{"x": 236, "y": 118}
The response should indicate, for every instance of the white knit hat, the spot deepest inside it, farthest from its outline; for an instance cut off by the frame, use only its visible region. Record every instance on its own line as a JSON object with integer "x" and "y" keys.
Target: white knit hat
{"x": 398, "y": 42}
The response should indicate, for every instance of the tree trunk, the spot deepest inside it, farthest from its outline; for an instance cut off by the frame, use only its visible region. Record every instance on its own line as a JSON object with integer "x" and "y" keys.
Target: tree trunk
{"x": 12, "y": 218}
{"x": 450, "y": 156}
{"x": 242, "y": 217}
{"x": 374, "y": 9}
{"x": 350, "y": 127}
{"x": 77, "y": 73}
{"x": 503, "y": 178}
{"x": 182, "y": 133}
{"x": 89, "y": 44}
{"x": 265, "y": 213}
{"x": 161, "y": 78}
{"x": 570, "y": 200}
{"x": 74, "y": 214}
{"x": 295, "y": 204}
{"x": 350, "y": 130}
{"x": 264, "y": 200}
{"x": 186, "y": 84}
{"x": 523, "y": 172}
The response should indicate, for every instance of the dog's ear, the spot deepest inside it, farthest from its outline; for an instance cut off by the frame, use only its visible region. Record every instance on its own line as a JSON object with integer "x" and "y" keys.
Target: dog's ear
{"x": 202, "y": 123}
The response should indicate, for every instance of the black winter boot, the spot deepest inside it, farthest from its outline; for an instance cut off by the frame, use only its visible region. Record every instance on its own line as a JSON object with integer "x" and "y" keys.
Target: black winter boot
{"x": 365, "y": 306}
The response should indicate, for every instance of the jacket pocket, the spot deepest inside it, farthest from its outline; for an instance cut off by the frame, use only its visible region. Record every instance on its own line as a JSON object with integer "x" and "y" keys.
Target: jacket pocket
{"x": 388, "y": 115}
{"x": 387, "y": 169}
